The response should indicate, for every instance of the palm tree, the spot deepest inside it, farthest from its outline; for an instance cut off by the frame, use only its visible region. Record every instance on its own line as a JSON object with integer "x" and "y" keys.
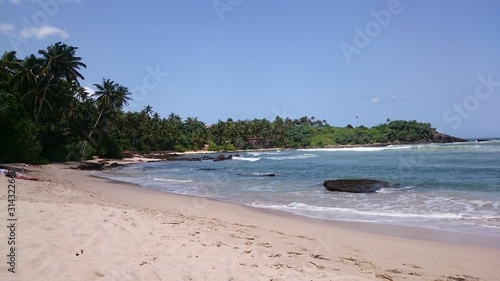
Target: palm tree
{"x": 199, "y": 138}
{"x": 60, "y": 62}
{"x": 111, "y": 97}
{"x": 218, "y": 131}
{"x": 230, "y": 131}
{"x": 147, "y": 112}
{"x": 278, "y": 130}
{"x": 58, "y": 65}
{"x": 8, "y": 66}
{"x": 24, "y": 72}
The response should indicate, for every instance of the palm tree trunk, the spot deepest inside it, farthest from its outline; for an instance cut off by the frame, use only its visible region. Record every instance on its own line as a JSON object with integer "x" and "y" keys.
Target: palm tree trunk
{"x": 37, "y": 114}
{"x": 84, "y": 146}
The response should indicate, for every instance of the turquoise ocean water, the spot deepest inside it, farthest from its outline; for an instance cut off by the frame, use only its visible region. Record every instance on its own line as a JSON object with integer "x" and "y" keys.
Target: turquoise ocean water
{"x": 453, "y": 187}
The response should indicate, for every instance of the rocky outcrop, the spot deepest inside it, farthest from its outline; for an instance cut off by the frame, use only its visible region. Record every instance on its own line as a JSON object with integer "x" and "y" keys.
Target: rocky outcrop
{"x": 90, "y": 166}
{"x": 356, "y": 185}
{"x": 438, "y": 137}
{"x": 223, "y": 157}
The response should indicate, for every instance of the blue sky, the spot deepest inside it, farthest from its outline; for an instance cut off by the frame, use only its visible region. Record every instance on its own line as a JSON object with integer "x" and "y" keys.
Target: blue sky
{"x": 432, "y": 61}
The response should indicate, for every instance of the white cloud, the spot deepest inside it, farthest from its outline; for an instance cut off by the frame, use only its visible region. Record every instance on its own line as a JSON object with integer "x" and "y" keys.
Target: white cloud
{"x": 17, "y": 2}
{"x": 89, "y": 90}
{"x": 393, "y": 98}
{"x": 43, "y": 31}
{"x": 6, "y": 28}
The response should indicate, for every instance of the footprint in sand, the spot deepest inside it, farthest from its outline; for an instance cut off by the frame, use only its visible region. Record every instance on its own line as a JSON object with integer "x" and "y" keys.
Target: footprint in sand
{"x": 267, "y": 245}
{"x": 319, "y": 257}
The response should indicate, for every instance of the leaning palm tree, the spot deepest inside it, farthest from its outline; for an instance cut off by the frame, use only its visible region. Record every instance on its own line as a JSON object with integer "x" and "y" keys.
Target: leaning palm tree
{"x": 110, "y": 99}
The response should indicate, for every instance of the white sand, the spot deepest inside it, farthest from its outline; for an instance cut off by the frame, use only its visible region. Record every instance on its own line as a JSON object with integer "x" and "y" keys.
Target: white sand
{"x": 130, "y": 233}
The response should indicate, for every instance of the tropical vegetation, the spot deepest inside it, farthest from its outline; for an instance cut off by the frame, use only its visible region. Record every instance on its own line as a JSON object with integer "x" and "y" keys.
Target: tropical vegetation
{"x": 46, "y": 115}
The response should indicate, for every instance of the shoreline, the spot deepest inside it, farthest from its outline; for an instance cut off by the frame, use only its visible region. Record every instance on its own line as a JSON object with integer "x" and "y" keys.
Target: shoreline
{"x": 380, "y": 228}
{"x": 393, "y": 230}
{"x": 75, "y": 225}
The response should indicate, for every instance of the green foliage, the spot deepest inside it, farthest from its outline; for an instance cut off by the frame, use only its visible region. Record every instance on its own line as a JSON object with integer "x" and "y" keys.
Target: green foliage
{"x": 109, "y": 148}
{"x": 179, "y": 148}
{"x": 322, "y": 139}
{"x": 228, "y": 147}
{"x": 299, "y": 136}
{"x": 213, "y": 147}
{"x": 17, "y": 133}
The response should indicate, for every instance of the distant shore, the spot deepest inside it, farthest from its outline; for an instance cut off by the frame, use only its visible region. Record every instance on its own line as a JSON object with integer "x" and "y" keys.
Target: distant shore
{"x": 136, "y": 157}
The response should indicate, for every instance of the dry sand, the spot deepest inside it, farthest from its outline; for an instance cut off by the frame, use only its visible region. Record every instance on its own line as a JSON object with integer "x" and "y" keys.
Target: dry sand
{"x": 77, "y": 227}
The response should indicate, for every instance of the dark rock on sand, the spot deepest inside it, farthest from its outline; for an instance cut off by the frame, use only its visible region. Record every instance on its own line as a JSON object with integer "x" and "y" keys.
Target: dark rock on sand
{"x": 114, "y": 164}
{"x": 89, "y": 166}
{"x": 356, "y": 185}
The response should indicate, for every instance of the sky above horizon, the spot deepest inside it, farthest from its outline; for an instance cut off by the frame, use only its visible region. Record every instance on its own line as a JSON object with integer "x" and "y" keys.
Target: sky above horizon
{"x": 430, "y": 61}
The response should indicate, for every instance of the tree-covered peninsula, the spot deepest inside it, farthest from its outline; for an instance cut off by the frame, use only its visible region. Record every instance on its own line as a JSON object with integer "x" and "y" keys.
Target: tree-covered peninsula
{"x": 46, "y": 115}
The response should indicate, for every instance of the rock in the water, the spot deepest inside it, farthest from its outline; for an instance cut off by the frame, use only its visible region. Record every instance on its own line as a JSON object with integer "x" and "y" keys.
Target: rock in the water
{"x": 223, "y": 157}
{"x": 444, "y": 138}
{"x": 205, "y": 169}
{"x": 264, "y": 174}
{"x": 356, "y": 185}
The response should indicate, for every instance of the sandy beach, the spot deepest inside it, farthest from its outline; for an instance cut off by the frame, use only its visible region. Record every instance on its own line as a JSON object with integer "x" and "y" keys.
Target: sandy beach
{"x": 74, "y": 226}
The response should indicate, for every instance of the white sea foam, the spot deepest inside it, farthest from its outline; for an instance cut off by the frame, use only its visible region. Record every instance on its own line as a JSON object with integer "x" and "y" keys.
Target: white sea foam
{"x": 263, "y": 174}
{"x": 358, "y": 149}
{"x": 292, "y": 157}
{"x": 171, "y": 180}
{"x": 395, "y": 189}
{"x": 259, "y": 153}
{"x": 376, "y": 215}
{"x": 251, "y": 159}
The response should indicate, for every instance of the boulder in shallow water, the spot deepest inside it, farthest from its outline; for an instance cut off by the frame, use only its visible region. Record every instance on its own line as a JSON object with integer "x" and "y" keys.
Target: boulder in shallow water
{"x": 223, "y": 157}
{"x": 356, "y": 185}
